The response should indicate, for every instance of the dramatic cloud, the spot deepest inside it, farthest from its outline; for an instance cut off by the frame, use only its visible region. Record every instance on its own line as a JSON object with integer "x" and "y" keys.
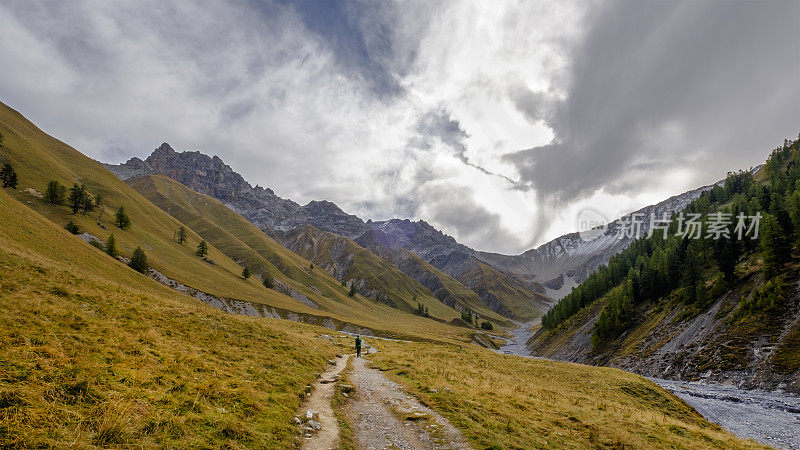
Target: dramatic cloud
{"x": 421, "y": 109}
{"x": 706, "y": 86}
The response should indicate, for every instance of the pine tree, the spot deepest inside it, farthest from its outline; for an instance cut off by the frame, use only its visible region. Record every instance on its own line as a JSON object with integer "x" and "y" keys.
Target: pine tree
{"x": 9, "y": 176}
{"x": 726, "y": 253}
{"x": 246, "y": 273}
{"x": 77, "y": 197}
{"x": 352, "y": 289}
{"x": 202, "y": 249}
{"x": 121, "y": 219}
{"x": 267, "y": 280}
{"x": 775, "y": 248}
{"x": 88, "y": 204}
{"x": 138, "y": 261}
{"x": 111, "y": 246}
{"x": 181, "y": 234}
{"x": 55, "y": 193}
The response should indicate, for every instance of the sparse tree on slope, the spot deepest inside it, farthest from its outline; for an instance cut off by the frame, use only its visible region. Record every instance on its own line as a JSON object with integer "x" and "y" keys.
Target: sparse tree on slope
{"x": 55, "y": 193}
{"x": 181, "y": 234}
{"x": 138, "y": 261}
{"x": 77, "y": 197}
{"x": 9, "y": 176}
{"x": 202, "y": 249}
{"x": 71, "y": 227}
{"x": 246, "y": 273}
{"x": 121, "y": 218}
{"x": 111, "y": 246}
{"x": 352, "y": 289}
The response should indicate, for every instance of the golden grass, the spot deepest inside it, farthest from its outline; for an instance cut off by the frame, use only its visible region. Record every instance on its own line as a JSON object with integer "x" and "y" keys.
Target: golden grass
{"x": 95, "y": 354}
{"x": 502, "y": 401}
{"x": 39, "y": 158}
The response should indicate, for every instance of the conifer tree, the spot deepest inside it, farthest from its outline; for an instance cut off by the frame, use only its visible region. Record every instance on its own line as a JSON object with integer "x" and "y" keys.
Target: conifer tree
{"x": 55, "y": 192}
{"x": 77, "y": 197}
{"x": 246, "y": 273}
{"x": 9, "y": 176}
{"x": 111, "y": 246}
{"x": 352, "y": 289}
{"x": 121, "y": 218}
{"x": 181, "y": 234}
{"x": 138, "y": 261}
{"x": 775, "y": 248}
{"x": 202, "y": 249}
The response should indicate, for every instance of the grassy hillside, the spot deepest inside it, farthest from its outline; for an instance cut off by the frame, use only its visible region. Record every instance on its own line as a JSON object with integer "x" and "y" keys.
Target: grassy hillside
{"x": 449, "y": 288}
{"x": 374, "y": 276}
{"x": 494, "y": 286}
{"x": 502, "y": 401}
{"x": 93, "y": 353}
{"x": 39, "y": 158}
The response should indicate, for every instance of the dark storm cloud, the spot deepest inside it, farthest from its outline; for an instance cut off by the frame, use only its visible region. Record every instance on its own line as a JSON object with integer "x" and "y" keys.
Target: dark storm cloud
{"x": 707, "y": 85}
{"x": 438, "y": 124}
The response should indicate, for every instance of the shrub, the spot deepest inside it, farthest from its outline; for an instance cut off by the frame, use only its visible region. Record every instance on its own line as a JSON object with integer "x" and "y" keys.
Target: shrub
{"x": 486, "y": 325}
{"x": 71, "y": 227}
{"x": 268, "y": 280}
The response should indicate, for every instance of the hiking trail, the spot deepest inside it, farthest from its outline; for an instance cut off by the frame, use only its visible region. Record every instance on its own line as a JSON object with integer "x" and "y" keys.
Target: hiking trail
{"x": 382, "y": 415}
{"x": 319, "y": 423}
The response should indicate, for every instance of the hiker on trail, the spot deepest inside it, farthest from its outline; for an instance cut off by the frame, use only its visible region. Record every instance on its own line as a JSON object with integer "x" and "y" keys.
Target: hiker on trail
{"x": 358, "y": 346}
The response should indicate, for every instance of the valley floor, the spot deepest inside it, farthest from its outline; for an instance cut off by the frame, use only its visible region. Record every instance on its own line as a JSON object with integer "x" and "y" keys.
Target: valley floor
{"x": 771, "y": 418}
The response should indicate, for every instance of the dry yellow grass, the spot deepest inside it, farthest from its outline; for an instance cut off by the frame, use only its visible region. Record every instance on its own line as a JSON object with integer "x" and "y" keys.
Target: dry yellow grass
{"x": 502, "y": 401}
{"x": 93, "y": 353}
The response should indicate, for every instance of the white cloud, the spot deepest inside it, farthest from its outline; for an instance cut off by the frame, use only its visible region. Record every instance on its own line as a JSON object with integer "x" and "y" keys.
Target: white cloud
{"x": 312, "y": 112}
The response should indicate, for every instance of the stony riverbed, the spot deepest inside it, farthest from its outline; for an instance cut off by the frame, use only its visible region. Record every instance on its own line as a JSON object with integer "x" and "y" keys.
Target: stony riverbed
{"x": 771, "y": 418}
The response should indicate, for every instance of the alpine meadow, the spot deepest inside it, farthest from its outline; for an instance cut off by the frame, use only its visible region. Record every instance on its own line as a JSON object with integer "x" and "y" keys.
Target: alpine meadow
{"x": 399, "y": 225}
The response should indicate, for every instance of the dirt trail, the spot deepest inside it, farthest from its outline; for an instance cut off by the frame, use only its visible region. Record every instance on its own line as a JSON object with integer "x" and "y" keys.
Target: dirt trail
{"x": 327, "y": 437}
{"x": 382, "y": 416}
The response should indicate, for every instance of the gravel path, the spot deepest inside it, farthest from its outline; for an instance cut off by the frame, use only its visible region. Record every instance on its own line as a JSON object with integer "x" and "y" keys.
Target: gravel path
{"x": 384, "y": 416}
{"x": 319, "y": 405}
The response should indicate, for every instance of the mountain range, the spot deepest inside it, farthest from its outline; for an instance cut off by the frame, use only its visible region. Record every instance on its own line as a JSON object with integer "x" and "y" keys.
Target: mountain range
{"x": 515, "y": 286}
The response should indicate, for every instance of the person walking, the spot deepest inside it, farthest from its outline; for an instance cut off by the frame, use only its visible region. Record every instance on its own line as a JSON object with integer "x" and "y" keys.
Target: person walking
{"x": 358, "y": 346}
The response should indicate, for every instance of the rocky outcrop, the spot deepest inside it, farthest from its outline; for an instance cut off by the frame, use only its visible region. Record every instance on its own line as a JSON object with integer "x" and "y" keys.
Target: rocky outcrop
{"x": 211, "y": 176}
{"x": 283, "y": 220}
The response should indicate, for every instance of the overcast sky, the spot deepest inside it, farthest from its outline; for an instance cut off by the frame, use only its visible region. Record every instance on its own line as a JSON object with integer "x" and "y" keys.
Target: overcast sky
{"x": 497, "y": 122}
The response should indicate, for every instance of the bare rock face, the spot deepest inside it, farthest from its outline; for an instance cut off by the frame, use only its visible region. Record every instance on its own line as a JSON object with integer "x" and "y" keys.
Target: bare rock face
{"x": 211, "y": 176}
